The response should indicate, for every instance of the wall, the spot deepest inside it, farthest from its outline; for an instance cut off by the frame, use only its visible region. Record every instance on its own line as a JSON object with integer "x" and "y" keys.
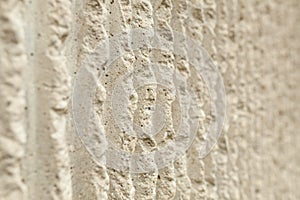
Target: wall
{"x": 255, "y": 46}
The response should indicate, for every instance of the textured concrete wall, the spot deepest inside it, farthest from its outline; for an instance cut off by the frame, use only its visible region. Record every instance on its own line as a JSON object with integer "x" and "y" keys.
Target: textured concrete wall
{"x": 255, "y": 45}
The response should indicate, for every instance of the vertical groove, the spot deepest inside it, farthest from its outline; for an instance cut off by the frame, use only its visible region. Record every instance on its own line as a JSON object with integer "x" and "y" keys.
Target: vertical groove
{"x": 121, "y": 185}
{"x": 90, "y": 180}
{"x": 221, "y": 154}
{"x": 12, "y": 100}
{"x": 162, "y": 14}
{"x": 179, "y": 15}
{"x": 48, "y": 163}
{"x": 144, "y": 183}
{"x": 227, "y": 48}
{"x": 201, "y": 172}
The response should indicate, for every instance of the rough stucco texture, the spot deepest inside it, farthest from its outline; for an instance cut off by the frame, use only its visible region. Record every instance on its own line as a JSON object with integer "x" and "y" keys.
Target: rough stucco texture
{"x": 254, "y": 43}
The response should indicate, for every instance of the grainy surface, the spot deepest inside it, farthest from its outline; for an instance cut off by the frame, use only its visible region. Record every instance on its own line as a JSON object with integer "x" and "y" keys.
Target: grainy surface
{"x": 255, "y": 45}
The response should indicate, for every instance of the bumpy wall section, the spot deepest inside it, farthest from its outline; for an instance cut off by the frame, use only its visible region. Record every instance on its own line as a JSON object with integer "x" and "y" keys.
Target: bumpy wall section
{"x": 254, "y": 44}
{"x": 13, "y": 101}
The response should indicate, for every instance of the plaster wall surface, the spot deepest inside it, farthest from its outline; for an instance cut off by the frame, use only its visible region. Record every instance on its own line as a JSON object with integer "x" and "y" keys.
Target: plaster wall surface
{"x": 255, "y": 45}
